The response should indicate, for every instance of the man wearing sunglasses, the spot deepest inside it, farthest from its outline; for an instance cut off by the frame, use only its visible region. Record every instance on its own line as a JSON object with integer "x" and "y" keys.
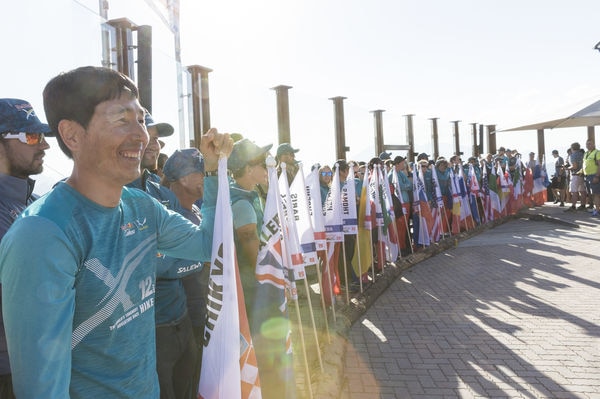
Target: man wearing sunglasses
{"x": 22, "y": 150}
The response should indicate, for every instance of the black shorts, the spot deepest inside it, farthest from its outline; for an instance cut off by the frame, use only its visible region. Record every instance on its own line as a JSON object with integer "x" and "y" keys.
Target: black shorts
{"x": 558, "y": 183}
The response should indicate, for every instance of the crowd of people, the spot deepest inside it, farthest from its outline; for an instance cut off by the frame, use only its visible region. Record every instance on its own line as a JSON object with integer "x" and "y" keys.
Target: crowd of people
{"x": 105, "y": 278}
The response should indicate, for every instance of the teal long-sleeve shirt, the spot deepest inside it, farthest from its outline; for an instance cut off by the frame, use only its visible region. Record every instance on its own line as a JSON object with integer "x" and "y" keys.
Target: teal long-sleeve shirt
{"x": 78, "y": 291}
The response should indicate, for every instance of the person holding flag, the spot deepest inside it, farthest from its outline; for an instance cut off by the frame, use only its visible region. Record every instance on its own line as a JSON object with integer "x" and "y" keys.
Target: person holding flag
{"x": 270, "y": 320}
{"x": 247, "y": 165}
{"x": 402, "y": 188}
{"x": 349, "y": 186}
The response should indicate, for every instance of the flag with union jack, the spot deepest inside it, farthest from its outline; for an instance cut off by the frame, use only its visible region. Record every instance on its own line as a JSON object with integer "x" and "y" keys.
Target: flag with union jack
{"x": 271, "y": 325}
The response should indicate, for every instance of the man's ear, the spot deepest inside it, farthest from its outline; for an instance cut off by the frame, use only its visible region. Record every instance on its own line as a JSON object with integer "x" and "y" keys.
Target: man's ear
{"x": 71, "y": 134}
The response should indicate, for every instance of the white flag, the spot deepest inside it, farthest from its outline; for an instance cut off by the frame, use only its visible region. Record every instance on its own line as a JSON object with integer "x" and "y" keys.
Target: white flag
{"x": 349, "y": 217}
{"x": 333, "y": 211}
{"x": 288, "y": 225}
{"x": 301, "y": 210}
{"x": 221, "y": 376}
{"x": 313, "y": 193}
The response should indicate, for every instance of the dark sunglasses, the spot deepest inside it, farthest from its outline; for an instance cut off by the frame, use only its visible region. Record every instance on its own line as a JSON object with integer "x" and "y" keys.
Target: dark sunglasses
{"x": 326, "y": 173}
{"x": 26, "y": 138}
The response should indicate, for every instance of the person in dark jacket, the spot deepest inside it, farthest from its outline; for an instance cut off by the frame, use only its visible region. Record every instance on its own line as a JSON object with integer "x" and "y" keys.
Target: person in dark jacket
{"x": 22, "y": 150}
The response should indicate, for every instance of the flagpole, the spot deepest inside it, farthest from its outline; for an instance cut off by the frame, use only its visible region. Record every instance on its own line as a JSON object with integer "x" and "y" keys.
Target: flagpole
{"x": 312, "y": 316}
{"x": 446, "y": 219}
{"x": 410, "y": 240}
{"x": 373, "y": 259}
{"x": 346, "y": 274}
{"x": 320, "y": 281}
{"x": 360, "y": 283}
{"x": 301, "y": 332}
{"x": 330, "y": 285}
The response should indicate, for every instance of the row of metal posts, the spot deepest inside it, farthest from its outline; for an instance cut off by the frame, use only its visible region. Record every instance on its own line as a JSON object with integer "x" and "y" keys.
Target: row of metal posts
{"x": 201, "y": 123}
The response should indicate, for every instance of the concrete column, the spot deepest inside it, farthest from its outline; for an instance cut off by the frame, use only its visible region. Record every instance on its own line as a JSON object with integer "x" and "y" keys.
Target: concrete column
{"x": 434, "y": 138}
{"x": 283, "y": 113}
{"x": 410, "y": 137}
{"x": 379, "y": 146}
{"x": 339, "y": 125}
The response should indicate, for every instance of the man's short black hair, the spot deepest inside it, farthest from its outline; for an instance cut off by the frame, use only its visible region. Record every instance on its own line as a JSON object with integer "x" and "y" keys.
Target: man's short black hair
{"x": 74, "y": 96}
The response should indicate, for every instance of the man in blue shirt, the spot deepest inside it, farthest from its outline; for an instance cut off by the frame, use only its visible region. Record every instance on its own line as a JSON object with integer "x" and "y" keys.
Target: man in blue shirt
{"x": 22, "y": 150}
{"x": 78, "y": 266}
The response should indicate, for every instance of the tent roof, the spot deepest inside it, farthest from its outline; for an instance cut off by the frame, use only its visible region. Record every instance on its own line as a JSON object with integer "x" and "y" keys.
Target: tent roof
{"x": 588, "y": 116}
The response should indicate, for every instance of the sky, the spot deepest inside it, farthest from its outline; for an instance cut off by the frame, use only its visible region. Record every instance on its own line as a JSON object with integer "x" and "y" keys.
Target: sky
{"x": 507, "y": 63}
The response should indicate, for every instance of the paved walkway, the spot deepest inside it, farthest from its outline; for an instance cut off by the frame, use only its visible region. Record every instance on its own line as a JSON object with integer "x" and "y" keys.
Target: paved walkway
{"x": 511, "y": 313}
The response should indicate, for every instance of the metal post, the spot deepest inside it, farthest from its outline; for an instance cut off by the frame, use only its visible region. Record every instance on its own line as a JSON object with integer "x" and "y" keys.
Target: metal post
{"x": 410, "y": 138}
{"x": 200, "y": 104}
{"x": 124, "y": 46}
{"x": 480, "y": 146}
{"x": 475, "y": 149}
{"x": 434, "y": 137}
{"x": 379, "y": 146}
{"x": 456, "y": 138}
{"x": 283, "y": 113}
{"x": 591, "y": 133}
{"x": 541, "y": 144}
{"x": 340, "y": 132}
{"x": 144, "y": 65}
{"x": 491, "y": 139}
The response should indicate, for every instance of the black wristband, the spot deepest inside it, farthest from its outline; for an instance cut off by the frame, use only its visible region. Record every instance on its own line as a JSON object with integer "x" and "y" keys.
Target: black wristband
{"x": 211, "y": 173}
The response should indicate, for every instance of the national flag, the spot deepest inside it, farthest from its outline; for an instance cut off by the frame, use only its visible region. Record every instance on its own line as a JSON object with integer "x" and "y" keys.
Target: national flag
{"x": 271, "y": 325}
{"x": 456, "y": 203}
{"x": 466, "y": 216}
{"x": 348, "y": 204}
{"x": 495, "y": 205}
{"x": 301, "y": 211}
{"x": 504, "y": 191}
{"x": 291, "y": 241}
{"x": 313, "y": 193}
{"x": 363, "y": 250}
{"x": 473, "y": 187}
{"x": 421, "y": 211}
{"x": 229, "y": 367}
{"x": 334, "y": 231}
{"x": 401, "y": 220}
{"x": 380, "y": 216}
{"x": 485, "y": 195}
{"x": 390, "y": 234}
{"x": 540, "y": 184}
{"x": 438, "y": 210}
{"x": 518, "y": 185}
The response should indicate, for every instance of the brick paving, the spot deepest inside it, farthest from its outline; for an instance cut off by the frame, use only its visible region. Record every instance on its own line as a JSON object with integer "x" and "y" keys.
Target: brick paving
{"x": 513, "y": 312}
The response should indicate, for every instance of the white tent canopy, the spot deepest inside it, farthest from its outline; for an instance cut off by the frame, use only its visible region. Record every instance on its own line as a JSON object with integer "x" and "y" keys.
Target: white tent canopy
{"x": 588, "y": 116}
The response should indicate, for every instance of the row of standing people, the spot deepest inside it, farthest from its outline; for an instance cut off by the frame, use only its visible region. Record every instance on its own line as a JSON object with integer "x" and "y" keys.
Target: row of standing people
{"x": 174, "y": 288}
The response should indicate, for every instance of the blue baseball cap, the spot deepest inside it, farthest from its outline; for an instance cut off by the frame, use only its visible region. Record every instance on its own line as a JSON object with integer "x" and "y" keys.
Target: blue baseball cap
{"x": 183, "y": 162}
{"x": 385, "y": 155}
{"x": 18, "y": 116}
{"x": 164, "y": 129}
